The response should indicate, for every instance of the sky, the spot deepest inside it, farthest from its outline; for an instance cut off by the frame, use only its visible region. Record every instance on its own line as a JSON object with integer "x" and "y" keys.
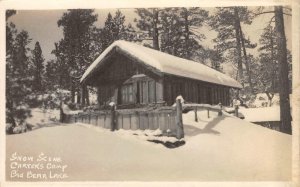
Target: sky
{"x": 42, "y": 26}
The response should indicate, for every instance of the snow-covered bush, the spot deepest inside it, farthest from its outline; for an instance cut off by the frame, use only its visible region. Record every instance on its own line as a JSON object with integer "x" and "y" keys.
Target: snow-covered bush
{"x": 21, "y": 128}
{"x": 16, "y": 117}
{"x": 262, "y": 100}
{"x": 50, "y": 99}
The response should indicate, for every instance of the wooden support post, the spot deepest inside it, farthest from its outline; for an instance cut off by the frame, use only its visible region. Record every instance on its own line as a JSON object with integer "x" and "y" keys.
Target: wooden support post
{"x": 207, "y": 113}
{"x": 220, "y": 111}
{"x": 180, "y": 132}
{"x": 196, "y": 115}
{"x": 122, "y": 125}
{"x": 130, "y": 122}
{"x": 236, "y": 110}
{"x": 113, "y": 118}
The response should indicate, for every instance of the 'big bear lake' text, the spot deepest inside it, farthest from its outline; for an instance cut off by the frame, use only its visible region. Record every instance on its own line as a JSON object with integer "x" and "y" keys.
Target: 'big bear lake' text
{"x": 39, "y": 167}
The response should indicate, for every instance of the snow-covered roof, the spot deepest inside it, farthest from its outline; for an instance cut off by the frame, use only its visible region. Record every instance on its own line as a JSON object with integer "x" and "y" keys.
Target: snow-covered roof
{"x": 164, "y": 63}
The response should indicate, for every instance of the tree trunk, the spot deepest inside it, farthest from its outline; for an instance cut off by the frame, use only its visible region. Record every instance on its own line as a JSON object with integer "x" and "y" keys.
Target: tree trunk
{"x": 285, "y": 110}
{"x": 10, "y": 114}
{"x": 238, "y": 46}
{"x": 173, "y": 49}
{"x": 273, "y": 62}
{"x": 73, "y": 93}
{"x": 246, "y": 59}
{"x": 155, "y": 30}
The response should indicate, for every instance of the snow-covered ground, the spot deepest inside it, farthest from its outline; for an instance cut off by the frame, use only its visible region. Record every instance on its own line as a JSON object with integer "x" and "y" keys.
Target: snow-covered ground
{"x": 262, "y": 100}
{"x": 42, "y": 117}
{"x": 221, "y": 148}
{"x": 261, "y": 114}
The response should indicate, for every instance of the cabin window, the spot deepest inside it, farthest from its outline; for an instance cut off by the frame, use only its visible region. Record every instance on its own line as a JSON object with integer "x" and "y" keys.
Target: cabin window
{"x": 147, "y": 92}
{"x": 127, "y": 94}
{"x": 151, "y": 90}
{"x": 144, "y": 92}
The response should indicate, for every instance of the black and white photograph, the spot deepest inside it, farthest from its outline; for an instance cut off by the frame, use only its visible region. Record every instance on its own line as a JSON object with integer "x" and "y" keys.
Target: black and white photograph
{"x": 163, "y": 93}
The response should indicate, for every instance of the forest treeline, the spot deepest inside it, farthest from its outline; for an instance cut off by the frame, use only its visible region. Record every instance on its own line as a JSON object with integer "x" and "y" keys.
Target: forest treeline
{"x": 177, "y": 31}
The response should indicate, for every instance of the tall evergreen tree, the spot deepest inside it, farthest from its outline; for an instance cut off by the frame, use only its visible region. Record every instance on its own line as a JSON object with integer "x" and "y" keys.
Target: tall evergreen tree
{"x": 107, "y": 35}
{"x": 10, "y": 33}
{"x": 74, "y": 50}
{"x": 171, "y": 32}
{"x": 191, "y": 20}
{"x": 115, "y": 29}
{"x": 283, "y": 57}
{"x": 38, "y": 67}
{"x": 18, "y": 80}
{"x": 52, "y": 75}
{"x": 150, "y": 22}
{"x": 268, "y": 79}
{"x": 227, "y": 22}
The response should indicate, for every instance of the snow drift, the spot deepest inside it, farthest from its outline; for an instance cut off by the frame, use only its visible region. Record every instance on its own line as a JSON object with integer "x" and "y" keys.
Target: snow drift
{"x": 217, "y": 148}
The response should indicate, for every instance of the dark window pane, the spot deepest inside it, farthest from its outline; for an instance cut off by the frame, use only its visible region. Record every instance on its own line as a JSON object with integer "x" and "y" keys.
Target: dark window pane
{"x": 151, "y": 89}
{"x": 145, "y": 92}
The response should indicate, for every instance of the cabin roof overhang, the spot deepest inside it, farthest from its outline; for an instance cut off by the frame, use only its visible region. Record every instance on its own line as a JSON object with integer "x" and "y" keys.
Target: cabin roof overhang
{"x": 159, "y": 63}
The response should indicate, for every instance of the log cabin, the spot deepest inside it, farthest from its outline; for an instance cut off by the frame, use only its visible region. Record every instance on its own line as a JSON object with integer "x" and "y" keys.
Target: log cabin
{"x": 134, "y": 76}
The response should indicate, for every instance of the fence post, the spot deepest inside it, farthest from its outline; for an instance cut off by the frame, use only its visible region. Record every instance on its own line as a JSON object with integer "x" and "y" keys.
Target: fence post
{"x": 208, "y": 113}
{"x": 113, "y": 118}
{"x": 97, "y": 120}
{"x": 180, "y": 132}
{"x": 220, "y": 111}
{"x": 236, "y": 110}
{"x": 196, "y": 115}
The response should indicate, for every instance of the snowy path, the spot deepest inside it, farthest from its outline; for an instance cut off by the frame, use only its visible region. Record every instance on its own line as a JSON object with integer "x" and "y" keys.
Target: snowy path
{"x": 223, "y": 148}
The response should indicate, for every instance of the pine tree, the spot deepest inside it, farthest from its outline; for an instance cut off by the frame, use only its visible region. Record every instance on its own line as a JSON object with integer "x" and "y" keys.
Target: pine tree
{"x": 191, "y": 20}
{"x": 227, "y": 22}
{"x": 150, "y": 22}
{"x": 171, "y": 32}
{"x": 179, "y": 31}
{"x": 268, "y": 73}
{"x": 10, "y": 33}
{"x": 74, "y": 52}
{"x": 52, "y": 74}
{"x": 284, "y": 68}
{"x": 18, "y": 80}
{"x": 115, "y": 29}
{"x": 107, "y": 35}
{"x": 38, "y": 67}
{"x": 215, "y": 57}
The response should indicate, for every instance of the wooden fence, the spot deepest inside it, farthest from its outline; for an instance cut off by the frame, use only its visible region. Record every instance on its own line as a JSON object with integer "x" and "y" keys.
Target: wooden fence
{"x": 167, "y": 119}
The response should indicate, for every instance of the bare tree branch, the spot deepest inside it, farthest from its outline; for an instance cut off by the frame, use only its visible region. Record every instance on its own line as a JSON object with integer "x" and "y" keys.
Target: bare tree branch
{"x": 287, "y": 14}
{"x": 267, "y": 12}
{"x": 271, "y": 21}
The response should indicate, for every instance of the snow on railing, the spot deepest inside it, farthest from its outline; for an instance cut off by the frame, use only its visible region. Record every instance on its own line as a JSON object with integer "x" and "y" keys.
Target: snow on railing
{"x": 208, "y": 107}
